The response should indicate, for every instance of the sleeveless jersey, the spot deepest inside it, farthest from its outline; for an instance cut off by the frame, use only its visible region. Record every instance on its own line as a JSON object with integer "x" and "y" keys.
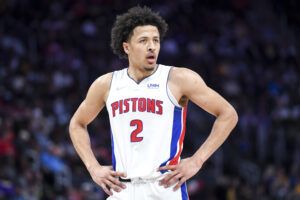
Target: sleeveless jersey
{"x": 147, "y": 124}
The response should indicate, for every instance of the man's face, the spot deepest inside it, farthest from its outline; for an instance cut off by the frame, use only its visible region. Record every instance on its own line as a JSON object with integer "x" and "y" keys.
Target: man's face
{"x": 143, "y": 47}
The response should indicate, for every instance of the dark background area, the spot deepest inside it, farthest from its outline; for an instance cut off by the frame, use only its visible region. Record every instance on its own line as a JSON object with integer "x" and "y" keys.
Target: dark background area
{"x": 248, "y": 51}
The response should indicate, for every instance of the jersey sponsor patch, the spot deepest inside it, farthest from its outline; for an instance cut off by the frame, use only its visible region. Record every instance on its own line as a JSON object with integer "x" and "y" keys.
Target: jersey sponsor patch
{"x": 152, "y": 86}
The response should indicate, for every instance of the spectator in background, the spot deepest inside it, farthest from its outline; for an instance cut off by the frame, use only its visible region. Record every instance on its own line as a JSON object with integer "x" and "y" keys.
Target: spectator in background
{"x": 49, "y": 54}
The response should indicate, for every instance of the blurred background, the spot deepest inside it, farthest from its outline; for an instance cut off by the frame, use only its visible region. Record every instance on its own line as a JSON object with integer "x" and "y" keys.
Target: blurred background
{"x": 247, "y": 50}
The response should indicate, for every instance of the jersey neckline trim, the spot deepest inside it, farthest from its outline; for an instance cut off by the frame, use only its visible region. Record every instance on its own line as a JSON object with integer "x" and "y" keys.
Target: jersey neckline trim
{"x": 143, "y": 78}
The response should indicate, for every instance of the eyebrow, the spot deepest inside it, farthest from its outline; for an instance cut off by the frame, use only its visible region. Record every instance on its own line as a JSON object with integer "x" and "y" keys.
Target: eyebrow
{"x": 142, "y": 37}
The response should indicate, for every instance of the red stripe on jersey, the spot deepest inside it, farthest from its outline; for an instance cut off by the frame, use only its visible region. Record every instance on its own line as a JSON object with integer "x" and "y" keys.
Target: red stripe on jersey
{"x": 174, "y": 161}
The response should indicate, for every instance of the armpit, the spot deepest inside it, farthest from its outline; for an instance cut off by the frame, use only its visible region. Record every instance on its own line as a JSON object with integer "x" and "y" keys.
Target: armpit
{"x": 183, "y": 101}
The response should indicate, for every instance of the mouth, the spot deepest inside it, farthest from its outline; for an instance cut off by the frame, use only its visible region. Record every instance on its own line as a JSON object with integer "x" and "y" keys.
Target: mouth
{"x": 151, "y": 58}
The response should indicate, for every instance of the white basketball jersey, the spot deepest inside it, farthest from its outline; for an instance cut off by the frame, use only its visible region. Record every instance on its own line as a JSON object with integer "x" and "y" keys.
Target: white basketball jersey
{"x": 147, "y": 124}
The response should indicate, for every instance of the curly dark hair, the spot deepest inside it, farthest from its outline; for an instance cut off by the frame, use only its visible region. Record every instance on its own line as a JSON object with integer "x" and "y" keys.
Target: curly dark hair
{"x": 125, "y": 23}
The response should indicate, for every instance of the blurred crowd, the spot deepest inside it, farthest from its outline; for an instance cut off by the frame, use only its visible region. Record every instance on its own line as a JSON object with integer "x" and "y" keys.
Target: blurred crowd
{"x": 248, "y": 51}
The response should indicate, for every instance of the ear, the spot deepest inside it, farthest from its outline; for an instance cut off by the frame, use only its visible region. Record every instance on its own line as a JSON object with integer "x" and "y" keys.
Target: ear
{"x": 126, "y": 47}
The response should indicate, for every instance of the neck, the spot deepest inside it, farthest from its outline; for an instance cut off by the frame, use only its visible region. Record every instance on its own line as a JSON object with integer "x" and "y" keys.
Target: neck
{"x": 138, "y": 74}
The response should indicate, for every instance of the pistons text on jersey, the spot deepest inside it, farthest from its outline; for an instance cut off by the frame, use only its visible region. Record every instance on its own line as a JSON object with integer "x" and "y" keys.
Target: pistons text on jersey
{"x": 137, "y": 104}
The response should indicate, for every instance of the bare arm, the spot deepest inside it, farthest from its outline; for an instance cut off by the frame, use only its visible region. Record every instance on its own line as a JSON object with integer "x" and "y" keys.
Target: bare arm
{"x": 185, "y": 83}
{"x": 87, "y": 111}
{"x": 226, "y": 117}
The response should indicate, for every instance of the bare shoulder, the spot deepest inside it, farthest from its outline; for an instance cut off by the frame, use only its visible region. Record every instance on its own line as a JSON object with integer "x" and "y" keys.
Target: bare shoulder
{"x": 182, "y": 72}
{"x": 185, "y": 79}
{"x": 188, "y": 84}
{"x": 94, "y": 100}
{"x": 104, "y": 80}
{"x": 100, "y": 87}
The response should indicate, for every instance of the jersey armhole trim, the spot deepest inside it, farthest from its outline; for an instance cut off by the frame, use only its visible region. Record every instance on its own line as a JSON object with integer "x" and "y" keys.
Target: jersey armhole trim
{"x": 169, "y": 93}
{"x": 112, "y": 76}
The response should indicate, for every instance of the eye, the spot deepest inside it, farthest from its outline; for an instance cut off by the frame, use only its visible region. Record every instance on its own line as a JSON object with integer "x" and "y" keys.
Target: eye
{"x": 143, "y": 41}
{"x": 156, "y": 40}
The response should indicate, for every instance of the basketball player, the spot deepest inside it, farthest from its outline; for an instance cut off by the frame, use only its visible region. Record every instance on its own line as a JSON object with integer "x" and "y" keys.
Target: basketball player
{"x": 147, "y": 105}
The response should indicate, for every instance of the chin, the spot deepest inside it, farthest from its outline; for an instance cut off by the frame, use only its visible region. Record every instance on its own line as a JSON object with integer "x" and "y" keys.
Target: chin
{"x": 150, "y": 67}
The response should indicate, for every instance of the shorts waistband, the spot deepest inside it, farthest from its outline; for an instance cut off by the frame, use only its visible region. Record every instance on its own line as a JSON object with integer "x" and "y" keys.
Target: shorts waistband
{"x": 142, "y": 180}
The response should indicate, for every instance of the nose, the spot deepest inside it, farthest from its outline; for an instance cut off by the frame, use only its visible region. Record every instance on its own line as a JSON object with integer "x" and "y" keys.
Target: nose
{"x": 151, "y": 46}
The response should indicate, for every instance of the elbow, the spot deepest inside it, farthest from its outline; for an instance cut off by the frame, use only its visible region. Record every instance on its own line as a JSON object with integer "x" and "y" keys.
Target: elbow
{"x": 230, "y": 115}
{"x": 71, "y": 126}
{"x": 234, "y": 118}
{"x": 76, "y": 125}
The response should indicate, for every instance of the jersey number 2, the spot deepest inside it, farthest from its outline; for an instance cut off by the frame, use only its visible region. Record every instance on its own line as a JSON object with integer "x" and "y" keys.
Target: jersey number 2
{"x": 139, "y": 128}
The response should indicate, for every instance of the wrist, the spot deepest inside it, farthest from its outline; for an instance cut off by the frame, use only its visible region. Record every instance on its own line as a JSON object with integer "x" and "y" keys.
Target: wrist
{"x": 198, "y": 161}
{"x": 91, "y": 165}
